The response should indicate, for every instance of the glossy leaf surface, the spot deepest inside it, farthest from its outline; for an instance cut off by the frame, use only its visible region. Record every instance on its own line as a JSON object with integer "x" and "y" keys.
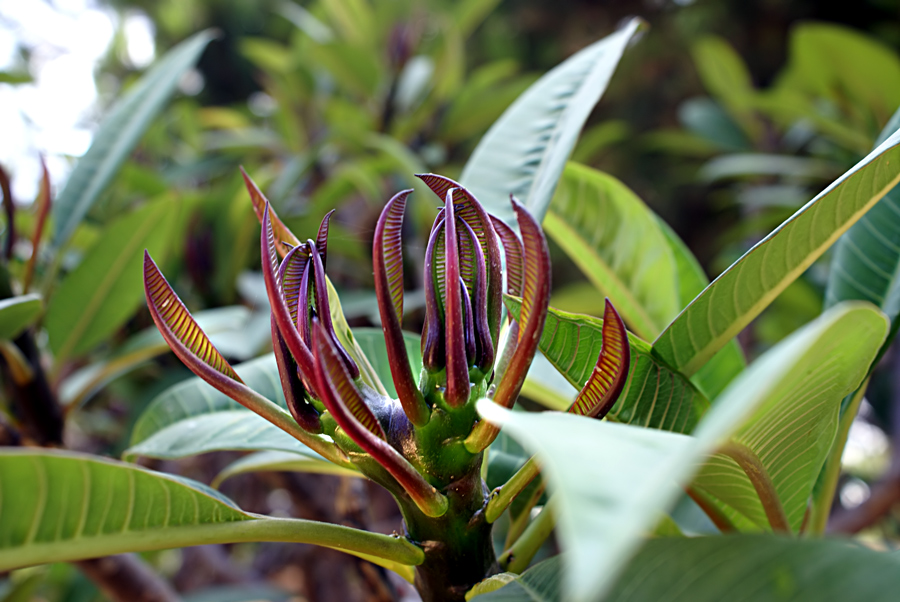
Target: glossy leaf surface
{"x": 752, "y": 283}
{"x": 524, "y": 152}
{"x": 17, "y": 314}
{"x": 654, "y": 395}
{"x": 119, "y": 133}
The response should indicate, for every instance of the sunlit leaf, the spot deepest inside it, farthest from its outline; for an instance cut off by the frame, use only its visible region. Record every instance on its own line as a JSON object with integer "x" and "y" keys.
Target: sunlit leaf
{"x": 18, "y": 313}
{"x": 752, "y": 283}
{"x": 525, "y": 150}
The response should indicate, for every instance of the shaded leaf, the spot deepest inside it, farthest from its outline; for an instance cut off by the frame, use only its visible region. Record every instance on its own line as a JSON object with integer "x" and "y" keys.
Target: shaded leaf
{"x": 18, "y": 313}
{"x": 281, "y": 461}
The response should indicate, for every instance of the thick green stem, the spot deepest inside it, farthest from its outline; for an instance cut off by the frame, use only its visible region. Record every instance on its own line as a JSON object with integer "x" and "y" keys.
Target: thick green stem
{"x": 823, "y": 498}
{"x": 762, "y": 483}
{"x": 517, "y": 558}
{"x": 504, "y": 495}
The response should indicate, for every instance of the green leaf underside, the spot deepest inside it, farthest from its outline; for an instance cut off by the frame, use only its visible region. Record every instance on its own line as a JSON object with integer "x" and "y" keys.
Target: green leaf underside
{"x": 106, "y": 288}
{"x": 606, "y": 507}
{"x": 793, "y": 431}
{"x": 525, "y": 150}
{"x": 234, "y": 430}
{"x": 281, "y": 461}
{"x": 654, "y": 395}
{"x": 751, "y": 283}
{"x": 119, "y": 133}
{"x": 59, "y": 506}
{"x": 729, "y": 361}
{"x": 616, "y": 241}
{"x": 194, "y": 397}
{"x": 17, "y": 313}
{"x": 866, "y": 262}
{"x": 749, "y": 568}
{"x": 371, "y": 342}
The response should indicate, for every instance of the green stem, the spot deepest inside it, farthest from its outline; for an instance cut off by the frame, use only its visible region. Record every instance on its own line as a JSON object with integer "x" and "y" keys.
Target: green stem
{"x": 823, "y": 498}
{"x": 504, "y": 495}
{"x": 518, "y": 523}
{"x": 762, "y": 483}
{"x": 517, "y": 558}
{"x": 381, "y": 549}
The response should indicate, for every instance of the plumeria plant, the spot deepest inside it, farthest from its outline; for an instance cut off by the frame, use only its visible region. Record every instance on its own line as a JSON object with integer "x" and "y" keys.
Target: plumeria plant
{"x": 693, "y": 443}
{"x": 426, "y": 447}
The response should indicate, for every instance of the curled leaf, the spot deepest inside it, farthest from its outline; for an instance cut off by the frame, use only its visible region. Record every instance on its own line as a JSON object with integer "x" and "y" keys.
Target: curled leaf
{"x": 261, "y": 206}
{"x": 607, "y": 380}
{"x": 457, "y": 392}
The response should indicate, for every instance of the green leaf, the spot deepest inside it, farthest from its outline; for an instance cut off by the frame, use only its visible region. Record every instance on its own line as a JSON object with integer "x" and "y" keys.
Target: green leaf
{"x": 614, "y": 238}
{"x": 727, "y": 78}
{"x": 654, "y": 396}
{"x": 729, "y": 361}
{"x": 371, "y": 342}
{"x": 793, "y": 430}
{"x": 525, "y": 151}
{"x": 605, "y": 507}
{"x": 747, "y": 287}
{"x": 194, "y": 397}
{"x": 106, "y": 288}
{"x": 227, "y": 430}
{"x": 13, "y": 77}
{"x": 119, "y": 133}
{"x": 749, "y": 568}
{"x": 59, "y": 506}
{"x": 866, "y": 262}
{"x": 17, "y": 314}
{"x": 300, "y": 461}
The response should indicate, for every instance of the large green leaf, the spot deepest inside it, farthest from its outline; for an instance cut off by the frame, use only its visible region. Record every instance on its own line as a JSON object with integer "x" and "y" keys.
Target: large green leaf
{"x": 17, "y": 314}
{"x": 654, "y": 395}
{"x": 58, "y": 506}
{"x": 235, "y": 430}
{"x": 194, "y": 397}
{"x": 606, "y": 505}
{"x": 728, "y": 362}
{"x": 106, "y": 288}
{"x": 749, "y": 568}
{"x": 614, "y": 238}
{"x": 525, "y": 151}
{"x": 280, "y": 461}
{"x": 866, "y": 262}
{"x": 747, "y": 287}
{"x": 119, "y": 133}
{"x": 793, "y": 431}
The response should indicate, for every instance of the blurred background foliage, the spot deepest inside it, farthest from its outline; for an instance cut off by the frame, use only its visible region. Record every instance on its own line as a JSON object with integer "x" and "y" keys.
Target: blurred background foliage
{"x": 725, "y": 117}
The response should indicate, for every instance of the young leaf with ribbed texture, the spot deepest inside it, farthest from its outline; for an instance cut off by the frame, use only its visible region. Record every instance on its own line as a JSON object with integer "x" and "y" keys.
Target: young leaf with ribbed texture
{"x": 607, "y": 380}
{"x": 282, "y": 233}
{"x": 59, "y": 506}
{"x": 746, "y": 288}
{"x": 605, "y": 508}
{"x": 524, "y": 152}
{"x": 749, "y": 568}
{"x": 654, "y": 395}
{"x": 18, "y": 313}
{"x": 531, "y": 318}
{"x": 616, "y": 241}
{"x": 119, "y": 133}
{"x": 104, "y": 291}
{"x": 305, "y": 461}
{"x": 792, "y": 433}
{"x": 866, "y": 262}
{"x": 513, "y": 254}
{"x": 387, "y": 260}
{"x": 344, "y": 401}
{"x": 457, "y": 392}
